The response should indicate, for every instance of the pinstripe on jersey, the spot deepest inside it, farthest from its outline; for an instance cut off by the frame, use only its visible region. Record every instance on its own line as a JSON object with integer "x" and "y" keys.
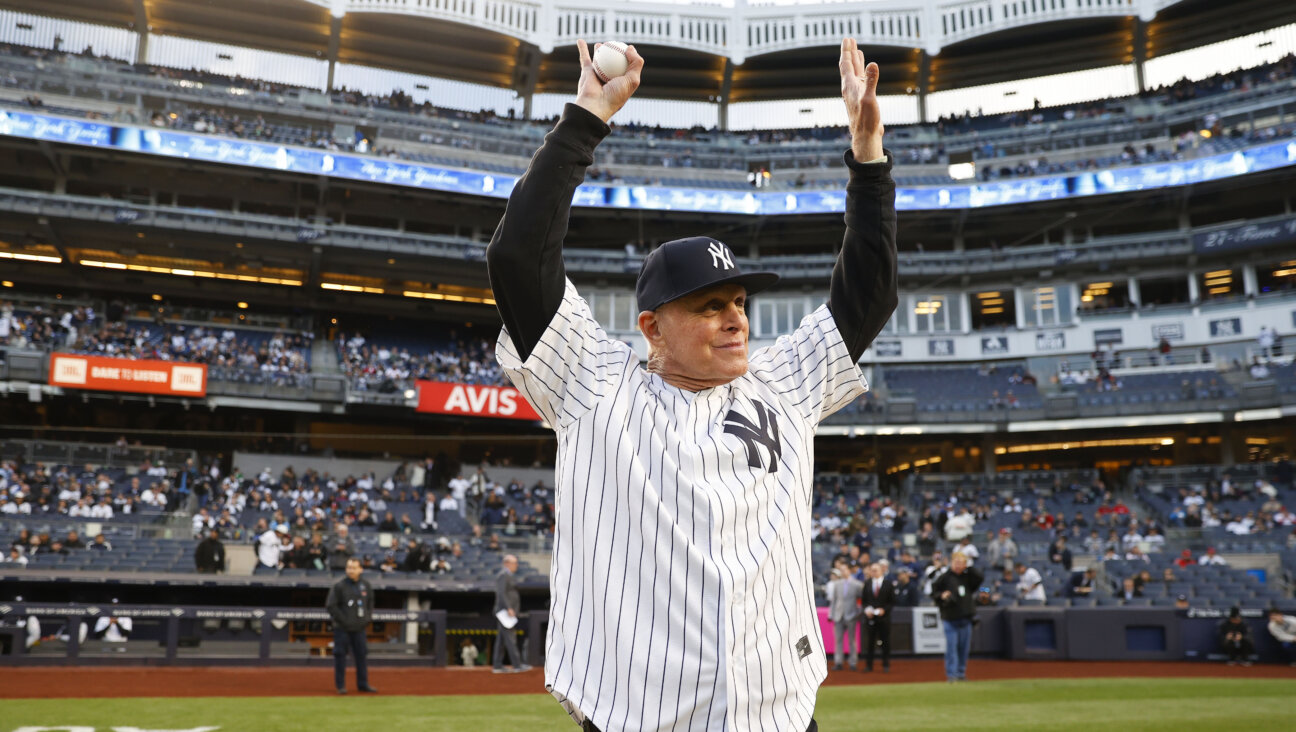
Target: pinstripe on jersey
{"x": 681, "y": 583}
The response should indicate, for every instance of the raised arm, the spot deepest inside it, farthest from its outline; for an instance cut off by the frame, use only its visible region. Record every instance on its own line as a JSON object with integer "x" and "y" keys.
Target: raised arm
{"x": 524, "y": 258}
{"x": 863, "y": 292}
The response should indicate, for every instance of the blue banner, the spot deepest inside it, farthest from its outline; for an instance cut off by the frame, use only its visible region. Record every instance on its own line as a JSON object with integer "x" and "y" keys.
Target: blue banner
{"x": 1245, "y": 236}
{"x": 272, "y": 156}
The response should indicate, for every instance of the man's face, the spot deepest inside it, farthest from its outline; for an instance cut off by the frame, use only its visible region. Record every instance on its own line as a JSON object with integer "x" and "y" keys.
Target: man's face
{"x": 958, "y": 564}
{"x": 701, "y": 337}
{"x": 354, "y": 569}
{"x": 1128, "y": 584}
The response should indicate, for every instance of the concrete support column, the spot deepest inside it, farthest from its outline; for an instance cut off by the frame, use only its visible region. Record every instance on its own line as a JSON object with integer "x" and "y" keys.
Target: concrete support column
{"x": 923, "y": 84}
{"x": 335, "y": 41}
{"x": 726, "y": 85}
{"x": 1140, "y": 53}
{"x": 526, "y": 72}
{"x": 142, "y": 30}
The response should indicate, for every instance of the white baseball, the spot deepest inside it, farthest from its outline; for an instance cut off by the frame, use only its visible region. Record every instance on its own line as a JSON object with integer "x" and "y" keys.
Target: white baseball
{"x": 610, "y": 60}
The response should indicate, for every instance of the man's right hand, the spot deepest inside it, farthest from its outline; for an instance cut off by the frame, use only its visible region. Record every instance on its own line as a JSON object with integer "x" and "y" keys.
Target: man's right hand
{"x": 600, "y": 99}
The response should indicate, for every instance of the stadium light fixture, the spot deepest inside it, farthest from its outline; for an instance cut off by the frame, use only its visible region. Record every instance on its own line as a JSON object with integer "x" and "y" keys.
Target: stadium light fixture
{"x": 351, "y": 288}
{"x": 6, "y": 283}
{"x": 448, "y": 298}
{"x": 31, "y": 257}
{"x": 186, "y": 272}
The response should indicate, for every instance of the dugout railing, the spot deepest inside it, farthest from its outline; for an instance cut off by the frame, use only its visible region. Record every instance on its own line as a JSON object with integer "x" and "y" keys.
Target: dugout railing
{"x": 183, "y": 635}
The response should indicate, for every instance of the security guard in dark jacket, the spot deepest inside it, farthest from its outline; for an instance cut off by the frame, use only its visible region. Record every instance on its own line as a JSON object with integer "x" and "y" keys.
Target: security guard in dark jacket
{"x": 350, "y": 604}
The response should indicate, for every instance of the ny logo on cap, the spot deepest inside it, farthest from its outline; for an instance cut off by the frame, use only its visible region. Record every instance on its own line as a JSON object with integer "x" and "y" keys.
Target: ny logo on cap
{"x": 720, "y": 256}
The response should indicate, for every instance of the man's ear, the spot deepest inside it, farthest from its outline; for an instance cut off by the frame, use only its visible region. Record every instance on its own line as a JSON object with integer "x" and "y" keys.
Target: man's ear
{"x": 650, "y": 326}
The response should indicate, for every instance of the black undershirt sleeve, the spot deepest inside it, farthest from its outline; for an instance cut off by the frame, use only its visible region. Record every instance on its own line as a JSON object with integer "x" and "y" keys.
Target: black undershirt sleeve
{"x": 524, "y": 258}
{"x": 863, "y": 293}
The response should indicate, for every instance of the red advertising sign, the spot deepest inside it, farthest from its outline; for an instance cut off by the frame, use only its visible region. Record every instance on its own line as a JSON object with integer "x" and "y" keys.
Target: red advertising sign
{"x": 503, "y": 402}
{"x": 128, "y": 374}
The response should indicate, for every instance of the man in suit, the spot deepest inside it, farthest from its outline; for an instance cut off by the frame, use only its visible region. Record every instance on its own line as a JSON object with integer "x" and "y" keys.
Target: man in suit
{"x": 879, "y": 598}
{"x": 507, "y": 600}
{"x": 1083, "y": 583}
{"x": 844, "y": 612}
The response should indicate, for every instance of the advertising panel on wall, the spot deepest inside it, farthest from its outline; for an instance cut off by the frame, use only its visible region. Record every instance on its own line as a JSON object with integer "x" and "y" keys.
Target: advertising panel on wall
{"x": 994, "y": 345}
{"x": 1108, "y": 336}
{"x": 1168, "y": 331}
{"x": 501, "y": 402}
{"x": 940, "y": 347}
{"x": 137, "y": 376}
{"x": 1054, "y": 341}
{"x": 887, "y": 349}
{"x": 1226, "y": 328}
{"x": 336, "y": 164}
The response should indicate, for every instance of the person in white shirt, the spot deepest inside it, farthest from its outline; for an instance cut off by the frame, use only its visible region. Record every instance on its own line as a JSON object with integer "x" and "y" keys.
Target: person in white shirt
{"x": 80, "y": 510}
{"x": 114, "y": 628}
{"x": 1211, "y": 558}
{"x": 202, "y": 522}
{"x": 154, "y": 495}
{"x": 102, "y": 510}
{"x": 1030, "y": 585}
{"x": 1283, "y": 629}
{"x": 450, "y": 503}
{"x": 1131, "y": 538}
{"x": 1195, "y": 499}
{"x": 960, "y": 525}
{"x": 1154, "y": 540}
{"x": 16, "y": 557}
{"x": 429, "y": 512}
{"x": 968, "y": 550}
{"x": 459, "y": 491}
{"x": 272, "y": 544}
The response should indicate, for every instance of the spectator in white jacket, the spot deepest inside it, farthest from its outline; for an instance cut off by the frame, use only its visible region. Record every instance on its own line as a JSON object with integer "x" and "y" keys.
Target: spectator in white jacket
{"x": 960, "y": 526}
{"x": 1283, "y": 629}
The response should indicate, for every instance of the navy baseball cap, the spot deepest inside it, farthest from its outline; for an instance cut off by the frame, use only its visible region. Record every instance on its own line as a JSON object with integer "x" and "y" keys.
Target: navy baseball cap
{"x": 684, "y": 266}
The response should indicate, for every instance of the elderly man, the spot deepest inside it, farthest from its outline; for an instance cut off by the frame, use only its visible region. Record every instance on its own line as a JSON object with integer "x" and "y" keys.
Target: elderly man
{"x": 681, "y": 572}
{"x": 844, "y": 611}
{"x": 508, "y": 603}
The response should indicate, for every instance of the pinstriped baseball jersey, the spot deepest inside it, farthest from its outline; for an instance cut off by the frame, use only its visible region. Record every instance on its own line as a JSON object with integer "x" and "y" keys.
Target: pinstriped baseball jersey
{"x": 681, "y": 584}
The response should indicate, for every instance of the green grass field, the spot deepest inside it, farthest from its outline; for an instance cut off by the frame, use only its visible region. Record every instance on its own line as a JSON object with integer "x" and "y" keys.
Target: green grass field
{"x": 1131, "y": 704}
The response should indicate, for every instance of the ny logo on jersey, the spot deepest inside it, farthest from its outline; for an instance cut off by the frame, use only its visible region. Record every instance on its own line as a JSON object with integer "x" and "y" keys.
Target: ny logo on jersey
{"x": 764, "y": 431}
{"x": 721, "y": 258}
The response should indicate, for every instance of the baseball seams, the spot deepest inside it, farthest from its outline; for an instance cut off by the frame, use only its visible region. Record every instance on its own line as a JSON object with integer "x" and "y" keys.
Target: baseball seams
{"x": 614, "y": 47}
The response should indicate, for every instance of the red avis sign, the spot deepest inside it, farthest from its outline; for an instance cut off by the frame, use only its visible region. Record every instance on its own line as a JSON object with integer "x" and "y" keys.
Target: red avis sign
{"x": 503, "y": 402}
{"x": 127, "y": 374}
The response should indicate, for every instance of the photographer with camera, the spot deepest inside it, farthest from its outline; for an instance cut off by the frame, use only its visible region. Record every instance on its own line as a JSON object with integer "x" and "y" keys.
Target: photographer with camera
{"x": 955, "y": 594}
